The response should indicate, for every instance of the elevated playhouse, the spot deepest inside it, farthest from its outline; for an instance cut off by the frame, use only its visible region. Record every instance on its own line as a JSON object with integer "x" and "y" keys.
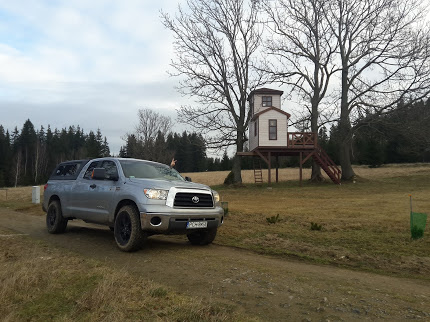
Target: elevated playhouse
{"x": 269, "y": 137}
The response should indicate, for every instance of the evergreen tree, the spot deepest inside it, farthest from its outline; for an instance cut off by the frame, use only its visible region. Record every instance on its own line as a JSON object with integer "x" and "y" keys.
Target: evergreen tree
{"x": 27, "y": 143}
{"x": 4, "y": 154}
{"x": 93, "y": 146}
{"x": 225, "y": 162}
{"x": 105, "y": 148}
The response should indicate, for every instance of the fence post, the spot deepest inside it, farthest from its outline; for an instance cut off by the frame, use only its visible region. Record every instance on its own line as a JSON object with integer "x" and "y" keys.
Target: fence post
{"x": 35, "y": 194}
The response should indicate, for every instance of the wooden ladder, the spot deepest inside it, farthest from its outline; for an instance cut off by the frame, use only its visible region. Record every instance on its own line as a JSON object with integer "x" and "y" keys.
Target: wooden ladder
{"x": 324, "y": 161}
{"x": 258, "y": 173}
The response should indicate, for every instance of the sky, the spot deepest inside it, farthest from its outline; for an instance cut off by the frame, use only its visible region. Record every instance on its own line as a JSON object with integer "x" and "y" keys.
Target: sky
{"x": 88, "y": 63}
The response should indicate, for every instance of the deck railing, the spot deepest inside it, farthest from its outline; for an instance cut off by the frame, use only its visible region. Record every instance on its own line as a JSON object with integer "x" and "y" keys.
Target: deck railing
{"x": 302, "y": 139}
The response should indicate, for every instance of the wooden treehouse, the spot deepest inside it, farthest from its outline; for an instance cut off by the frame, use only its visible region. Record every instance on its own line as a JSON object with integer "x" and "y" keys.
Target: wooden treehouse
{"x": 269, "y": 137}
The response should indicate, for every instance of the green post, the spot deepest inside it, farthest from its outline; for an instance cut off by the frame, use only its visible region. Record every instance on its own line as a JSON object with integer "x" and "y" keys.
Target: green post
{"x": 418, "y": 222}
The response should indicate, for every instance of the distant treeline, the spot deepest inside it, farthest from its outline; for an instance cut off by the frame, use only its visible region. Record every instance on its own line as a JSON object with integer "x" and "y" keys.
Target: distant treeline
{"x": 402, "y": 136}
{"x": 189, "y": 149}
{"x": 29, "y": 156}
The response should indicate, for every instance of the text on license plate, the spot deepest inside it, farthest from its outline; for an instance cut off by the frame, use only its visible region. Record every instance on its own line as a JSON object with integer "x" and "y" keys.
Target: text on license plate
{"x": 197, "y": 224}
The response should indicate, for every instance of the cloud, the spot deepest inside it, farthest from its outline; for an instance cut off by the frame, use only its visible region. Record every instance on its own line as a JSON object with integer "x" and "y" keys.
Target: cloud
{"x": 88, "y": 63}
{"x": 110, "y": 106}
{"x": 87, "y": 40}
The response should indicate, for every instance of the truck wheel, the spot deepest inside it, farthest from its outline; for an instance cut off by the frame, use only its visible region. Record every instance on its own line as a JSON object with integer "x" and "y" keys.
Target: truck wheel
{"x": 55, "y": 222}
{"x": 202, "y": 237}
{"x": 128, "y": 233}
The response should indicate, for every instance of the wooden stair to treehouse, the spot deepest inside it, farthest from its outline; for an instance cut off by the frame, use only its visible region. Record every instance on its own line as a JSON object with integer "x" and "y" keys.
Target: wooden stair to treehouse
{"x": 258, "y": 173}
{"x": 324, "y": 161}
{"x": 309, "y": 140}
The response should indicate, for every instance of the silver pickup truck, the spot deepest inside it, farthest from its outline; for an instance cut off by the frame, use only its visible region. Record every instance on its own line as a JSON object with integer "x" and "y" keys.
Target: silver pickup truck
{"x": 135, "y": 198}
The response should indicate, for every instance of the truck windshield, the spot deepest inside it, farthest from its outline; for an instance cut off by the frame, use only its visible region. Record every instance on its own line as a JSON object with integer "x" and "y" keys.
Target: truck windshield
{"x": 149, "y": 170}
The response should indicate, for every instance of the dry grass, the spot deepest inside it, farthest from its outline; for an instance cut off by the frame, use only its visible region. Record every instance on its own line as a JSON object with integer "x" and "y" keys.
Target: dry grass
{"x": 364, "y": 225}
{"x": 20, "y": 199}
{"x": 40, "y": 283}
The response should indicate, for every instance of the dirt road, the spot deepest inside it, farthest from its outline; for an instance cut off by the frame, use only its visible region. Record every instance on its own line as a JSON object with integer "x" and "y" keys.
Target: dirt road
{"x": 270, "y": 288}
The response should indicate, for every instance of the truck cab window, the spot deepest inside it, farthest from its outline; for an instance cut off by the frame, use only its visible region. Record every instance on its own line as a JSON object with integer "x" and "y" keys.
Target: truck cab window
{"x": 111, "y": 170}
{"x": 90, "y": 169}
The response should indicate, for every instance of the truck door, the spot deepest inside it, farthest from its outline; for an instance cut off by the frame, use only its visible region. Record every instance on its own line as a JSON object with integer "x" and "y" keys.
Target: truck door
{"x": 80, "y": 204}
{"x": 99, "y": 199}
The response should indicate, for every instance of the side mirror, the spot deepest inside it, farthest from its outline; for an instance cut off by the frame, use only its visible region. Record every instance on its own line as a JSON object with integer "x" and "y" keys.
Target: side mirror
{"x": 188, "y": 179}
{"x": 99, "y": 174}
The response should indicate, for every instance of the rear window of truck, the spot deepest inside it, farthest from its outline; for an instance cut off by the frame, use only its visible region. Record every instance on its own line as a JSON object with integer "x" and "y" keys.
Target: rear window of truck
{"x": 68, "y": 170}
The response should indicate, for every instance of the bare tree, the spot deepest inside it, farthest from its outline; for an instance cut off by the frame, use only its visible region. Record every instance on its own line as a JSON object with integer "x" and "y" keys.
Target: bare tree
{"x": 150, "y": 123}
{"x": 383, "y": 51}
{"x": 140, "y": 144}
{"x": 215, "y": 41}
{"x": 17, "y": 168}
{"x": 301, "y": 47}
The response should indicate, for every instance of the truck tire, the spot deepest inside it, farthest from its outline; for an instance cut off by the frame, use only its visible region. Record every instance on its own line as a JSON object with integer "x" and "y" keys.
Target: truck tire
{"x": 55, "y": 222}
{"x": 128, "y": 234}
{"x": 202, "y": 237}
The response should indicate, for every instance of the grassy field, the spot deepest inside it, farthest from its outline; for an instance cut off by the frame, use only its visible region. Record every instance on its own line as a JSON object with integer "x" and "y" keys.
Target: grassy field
{"x": 364, "y": 225}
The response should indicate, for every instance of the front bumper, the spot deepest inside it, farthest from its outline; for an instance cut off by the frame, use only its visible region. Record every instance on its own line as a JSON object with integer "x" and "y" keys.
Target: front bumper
{"x": 177, "y": 222}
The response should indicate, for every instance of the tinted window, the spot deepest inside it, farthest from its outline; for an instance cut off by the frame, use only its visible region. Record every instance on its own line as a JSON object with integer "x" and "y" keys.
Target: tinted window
{"x": 111, "y": 170}
{"x": 68, "y": 170}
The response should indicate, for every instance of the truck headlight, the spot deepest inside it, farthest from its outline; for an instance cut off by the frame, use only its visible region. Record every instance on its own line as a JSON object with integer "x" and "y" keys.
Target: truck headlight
{"x": 156, "y": 194}
{"x": 216, "y": 196}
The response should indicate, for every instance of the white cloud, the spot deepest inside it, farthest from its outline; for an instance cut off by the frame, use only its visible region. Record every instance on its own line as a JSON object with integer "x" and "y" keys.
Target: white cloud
{"x": 88, "y": 63}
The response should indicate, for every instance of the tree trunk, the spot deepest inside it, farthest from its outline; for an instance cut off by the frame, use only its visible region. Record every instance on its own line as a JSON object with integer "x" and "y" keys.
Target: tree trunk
{"x": 316, "y": 175}
{"x": 345, "y": 132}
{"x": 36, "y": 162}
{"x": 316, "y": 170}
{"x": 345, "y": 161}
{"x": 237, "y": 165}
{"x": 18, "y": 166}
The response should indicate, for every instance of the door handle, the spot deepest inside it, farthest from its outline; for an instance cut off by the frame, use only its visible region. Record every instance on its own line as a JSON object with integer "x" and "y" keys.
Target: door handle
{"x": 93, "y": 186}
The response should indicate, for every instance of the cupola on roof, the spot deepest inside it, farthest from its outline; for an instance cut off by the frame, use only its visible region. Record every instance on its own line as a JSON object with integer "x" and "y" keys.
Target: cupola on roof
{"x": 265, "y": 90}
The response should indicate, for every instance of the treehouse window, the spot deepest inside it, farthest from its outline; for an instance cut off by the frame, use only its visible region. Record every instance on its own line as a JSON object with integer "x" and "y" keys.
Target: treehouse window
{"x": 256, "y": 128}
{"x": 267, "y": 100}
{"x": 273, "y": 129}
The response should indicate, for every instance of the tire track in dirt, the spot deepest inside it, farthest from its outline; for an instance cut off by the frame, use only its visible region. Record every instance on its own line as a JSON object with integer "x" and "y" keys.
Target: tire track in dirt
{"x": 267, "y": 287}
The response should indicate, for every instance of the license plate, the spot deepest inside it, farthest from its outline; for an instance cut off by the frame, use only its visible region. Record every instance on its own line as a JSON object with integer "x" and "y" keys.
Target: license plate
{"x": 197, "y": 224}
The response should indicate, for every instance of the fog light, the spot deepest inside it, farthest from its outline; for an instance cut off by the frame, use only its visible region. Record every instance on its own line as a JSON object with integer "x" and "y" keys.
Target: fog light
{"x": 155, "y": 221}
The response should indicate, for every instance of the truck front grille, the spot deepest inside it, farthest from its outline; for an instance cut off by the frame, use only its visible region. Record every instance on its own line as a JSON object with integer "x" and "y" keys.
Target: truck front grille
{"x": 193, "y": 200}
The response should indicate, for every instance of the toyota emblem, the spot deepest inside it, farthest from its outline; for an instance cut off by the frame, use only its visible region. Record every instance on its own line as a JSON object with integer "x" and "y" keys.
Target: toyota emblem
{"x": 195, "y": 199}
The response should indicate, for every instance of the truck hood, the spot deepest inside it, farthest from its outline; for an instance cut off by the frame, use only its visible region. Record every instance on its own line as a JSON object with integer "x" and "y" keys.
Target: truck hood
{"x": 166, "y": 184}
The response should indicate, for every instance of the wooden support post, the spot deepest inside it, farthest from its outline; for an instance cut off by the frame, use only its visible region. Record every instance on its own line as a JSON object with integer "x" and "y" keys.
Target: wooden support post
{"x": 277, "y": 167}
{"x": 270, "y": 168}
{"x": 301, "y": 168}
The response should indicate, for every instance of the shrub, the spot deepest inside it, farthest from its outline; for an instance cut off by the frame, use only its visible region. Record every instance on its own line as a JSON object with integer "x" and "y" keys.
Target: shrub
{"x": 315, "y": 226}
{"x": 273, "y": 219}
